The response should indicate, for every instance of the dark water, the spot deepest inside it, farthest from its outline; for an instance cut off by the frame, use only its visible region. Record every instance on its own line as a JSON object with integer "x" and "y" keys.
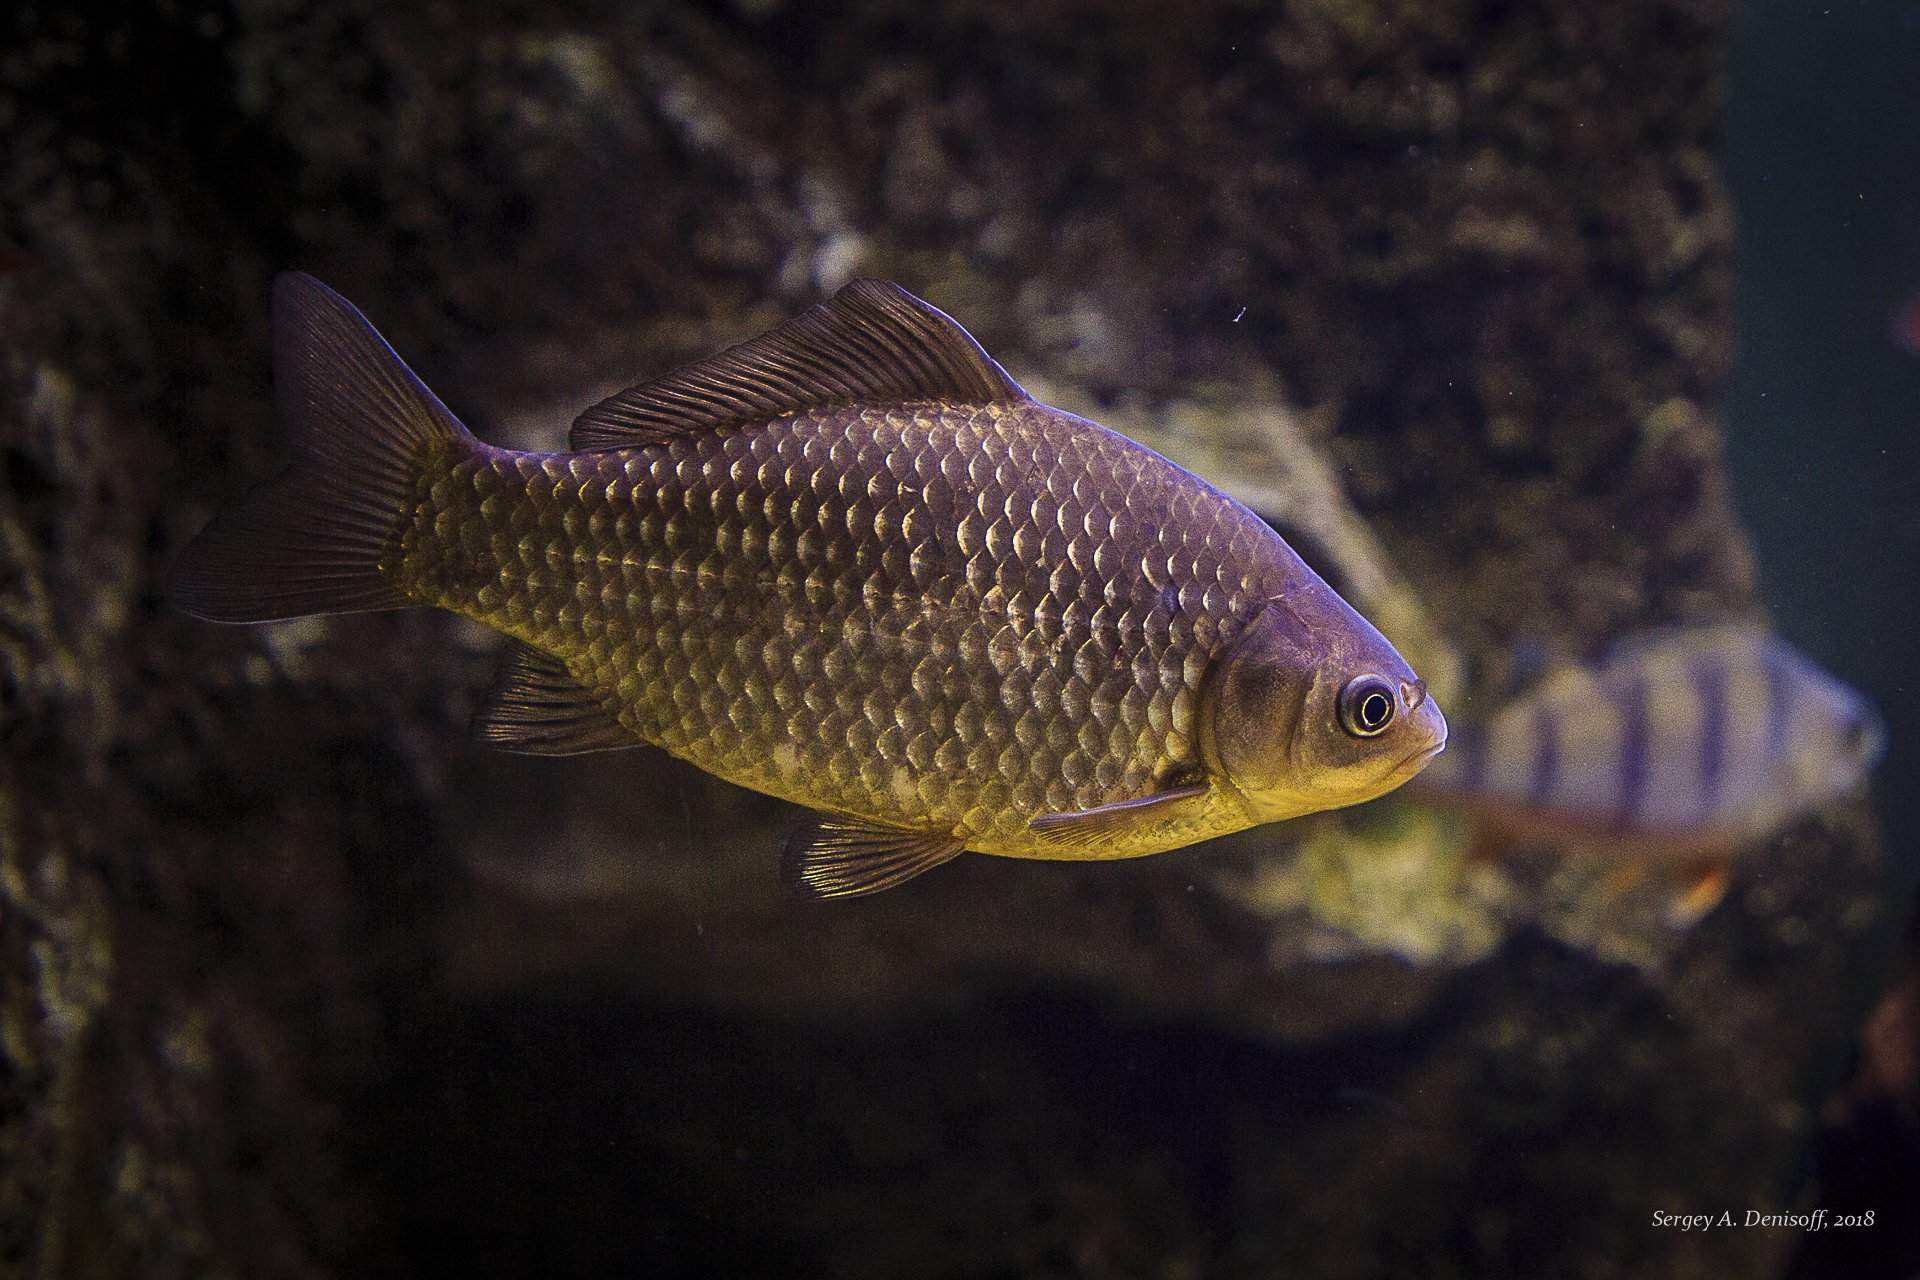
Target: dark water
{"x": 1823, "y": 431}
{"x": 1823, "y": 405}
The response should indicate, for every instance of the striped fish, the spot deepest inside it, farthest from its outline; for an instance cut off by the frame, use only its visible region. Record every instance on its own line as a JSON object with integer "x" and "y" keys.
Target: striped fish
{"x": 1690, "y": 741}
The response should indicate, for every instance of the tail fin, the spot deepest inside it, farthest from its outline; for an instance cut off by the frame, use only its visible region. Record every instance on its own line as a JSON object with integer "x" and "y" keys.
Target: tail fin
{"x": 311, "y": 540}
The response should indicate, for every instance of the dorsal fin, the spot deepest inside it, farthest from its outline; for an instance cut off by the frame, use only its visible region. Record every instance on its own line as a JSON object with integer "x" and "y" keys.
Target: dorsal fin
{"x": 1725, "y": 635}
{"x": 874, "y": 343}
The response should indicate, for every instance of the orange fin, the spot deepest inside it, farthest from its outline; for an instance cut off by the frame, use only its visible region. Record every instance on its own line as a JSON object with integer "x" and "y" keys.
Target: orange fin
{"x": 1692, "y": 888}
{"x": 874, "y": 343}
{"x": 845, "y": 857}
{"x": 1090, "y": 825}
{"x": 1701, "y": 887}
{"x": 537, "y": 708}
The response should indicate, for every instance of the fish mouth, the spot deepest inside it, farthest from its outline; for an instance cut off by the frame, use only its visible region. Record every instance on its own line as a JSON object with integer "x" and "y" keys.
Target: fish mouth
{"x": 1418, "y": 759}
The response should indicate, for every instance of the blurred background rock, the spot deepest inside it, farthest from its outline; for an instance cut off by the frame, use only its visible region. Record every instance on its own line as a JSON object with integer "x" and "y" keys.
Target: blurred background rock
{"x": 299, "y": 981}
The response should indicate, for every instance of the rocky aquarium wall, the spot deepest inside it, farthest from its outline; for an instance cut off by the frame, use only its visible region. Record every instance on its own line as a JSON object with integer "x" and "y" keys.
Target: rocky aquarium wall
{"x": 301, "y": 981}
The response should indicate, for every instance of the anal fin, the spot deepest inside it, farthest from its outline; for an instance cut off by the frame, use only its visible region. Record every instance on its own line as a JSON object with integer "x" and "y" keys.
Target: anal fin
{"x": 538, "y": 708}
{"x": 1689, "y": 889}
{"x": 844, "y": 857}
{"x": 1088, "y": 826}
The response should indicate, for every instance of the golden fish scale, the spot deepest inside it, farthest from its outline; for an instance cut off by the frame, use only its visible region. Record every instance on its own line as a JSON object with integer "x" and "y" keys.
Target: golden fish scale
{"x": 956, "y": 617}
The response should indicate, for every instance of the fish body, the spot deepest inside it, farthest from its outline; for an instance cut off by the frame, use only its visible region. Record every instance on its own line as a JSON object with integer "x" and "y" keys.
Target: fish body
{"x": 1692, "y": 741}
{"x": 903, "y": 611}
{"x": 850, "y": 564}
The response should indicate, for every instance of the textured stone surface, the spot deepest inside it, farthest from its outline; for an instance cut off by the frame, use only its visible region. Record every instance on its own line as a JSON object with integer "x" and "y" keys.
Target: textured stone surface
{"x": 257, "y": 1016}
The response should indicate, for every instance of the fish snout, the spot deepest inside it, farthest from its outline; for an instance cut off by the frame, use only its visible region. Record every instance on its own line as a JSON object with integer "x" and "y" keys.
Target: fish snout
{"x": 1428, "y": 725}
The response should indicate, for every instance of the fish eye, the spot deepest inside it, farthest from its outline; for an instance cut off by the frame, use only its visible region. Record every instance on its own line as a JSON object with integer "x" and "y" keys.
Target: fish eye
{"x": 1366, "y": 706}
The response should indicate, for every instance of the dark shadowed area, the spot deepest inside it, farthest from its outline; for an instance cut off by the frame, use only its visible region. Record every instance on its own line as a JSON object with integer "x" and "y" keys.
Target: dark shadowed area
{"x": 1821, "y": 405}
{"x": 298, "y": 980}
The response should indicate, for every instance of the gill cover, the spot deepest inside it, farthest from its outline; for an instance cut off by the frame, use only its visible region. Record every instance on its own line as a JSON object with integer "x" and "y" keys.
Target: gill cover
{"x": 1311, "y": 708}
{"x": 1251, "y": 706}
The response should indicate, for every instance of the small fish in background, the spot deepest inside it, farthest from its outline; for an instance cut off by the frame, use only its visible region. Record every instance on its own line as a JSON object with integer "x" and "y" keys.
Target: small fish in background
{"x": 850, "y": 563}
{"x": 1681, "y": 747}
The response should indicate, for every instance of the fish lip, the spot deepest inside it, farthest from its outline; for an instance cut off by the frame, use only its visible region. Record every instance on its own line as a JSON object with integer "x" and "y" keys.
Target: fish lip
{"x": 1423, "y": 755}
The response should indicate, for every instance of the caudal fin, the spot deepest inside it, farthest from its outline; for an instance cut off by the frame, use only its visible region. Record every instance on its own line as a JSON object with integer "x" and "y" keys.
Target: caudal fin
{"x": 313, "y": 539}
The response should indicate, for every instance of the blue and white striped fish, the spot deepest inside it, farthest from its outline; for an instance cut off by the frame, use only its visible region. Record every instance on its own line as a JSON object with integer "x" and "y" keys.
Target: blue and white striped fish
{"x": 1691, "y": 741}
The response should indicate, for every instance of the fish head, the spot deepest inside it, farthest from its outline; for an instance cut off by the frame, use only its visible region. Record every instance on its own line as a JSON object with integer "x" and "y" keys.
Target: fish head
{"x": 1834, "y": 736}
{"x": 1312, "y": 708}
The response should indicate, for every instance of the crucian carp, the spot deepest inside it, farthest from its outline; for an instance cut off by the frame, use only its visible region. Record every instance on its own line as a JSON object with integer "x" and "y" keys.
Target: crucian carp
{"x": 849, "y": 563}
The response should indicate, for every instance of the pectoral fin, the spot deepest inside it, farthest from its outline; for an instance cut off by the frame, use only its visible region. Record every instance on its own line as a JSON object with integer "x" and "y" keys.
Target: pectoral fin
{"x": 1088, "y": 826}
{"x": 845, "y": 857}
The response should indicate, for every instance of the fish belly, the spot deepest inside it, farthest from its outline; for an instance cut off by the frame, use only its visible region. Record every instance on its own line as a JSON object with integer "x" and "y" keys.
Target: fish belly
{"x": 952, "y": 618}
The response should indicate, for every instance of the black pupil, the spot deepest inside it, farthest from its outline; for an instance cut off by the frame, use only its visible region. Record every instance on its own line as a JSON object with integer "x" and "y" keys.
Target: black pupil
{"x": 1374, "y": 710}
